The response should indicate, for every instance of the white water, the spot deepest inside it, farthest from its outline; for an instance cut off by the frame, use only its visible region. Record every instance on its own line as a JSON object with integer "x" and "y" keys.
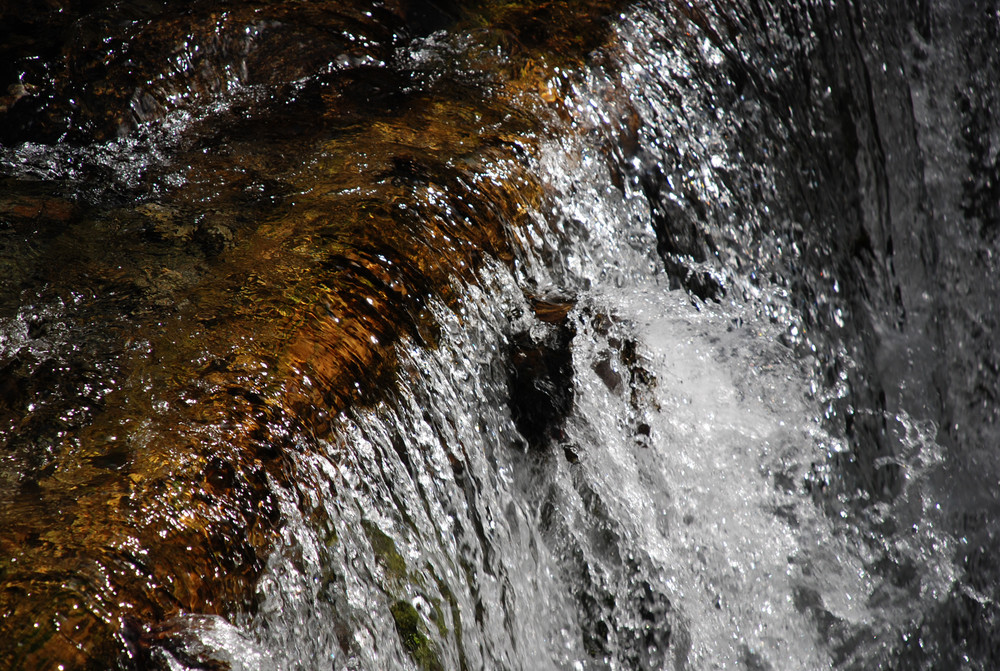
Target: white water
{"x": 709, "y": 510}
{"x": 709, "y": 497}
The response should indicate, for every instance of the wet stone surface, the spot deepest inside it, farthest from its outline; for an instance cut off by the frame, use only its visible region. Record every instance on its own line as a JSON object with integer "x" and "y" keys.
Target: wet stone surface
{"x": 243, "y": 207}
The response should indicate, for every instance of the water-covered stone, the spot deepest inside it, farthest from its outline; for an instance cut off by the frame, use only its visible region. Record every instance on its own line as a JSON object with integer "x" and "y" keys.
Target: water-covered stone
{"x": 204, "y": 326}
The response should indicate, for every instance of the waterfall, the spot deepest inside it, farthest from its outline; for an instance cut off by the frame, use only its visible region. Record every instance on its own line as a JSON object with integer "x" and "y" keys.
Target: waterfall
{"x": 499, "y": 335}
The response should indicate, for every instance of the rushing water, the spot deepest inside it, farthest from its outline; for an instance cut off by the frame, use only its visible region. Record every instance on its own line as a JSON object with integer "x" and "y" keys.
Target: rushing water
{"x": 620, "y": 335}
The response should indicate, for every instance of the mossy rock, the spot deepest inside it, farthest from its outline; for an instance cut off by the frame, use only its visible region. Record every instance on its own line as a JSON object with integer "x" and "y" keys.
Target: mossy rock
{"x": 386, "y": 553}
{"x": 410, "y": 627}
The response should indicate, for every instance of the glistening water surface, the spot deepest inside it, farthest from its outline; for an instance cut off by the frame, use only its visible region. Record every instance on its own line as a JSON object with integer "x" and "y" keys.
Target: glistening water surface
{"x": 485, "y": 335}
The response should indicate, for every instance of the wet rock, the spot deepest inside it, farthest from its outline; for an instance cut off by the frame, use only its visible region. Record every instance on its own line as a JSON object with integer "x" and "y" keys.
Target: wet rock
{"x": 409, "y": 626}
{"x": 609, "y": 376}
{"x": 194, "y": 643}
{"x": 225, "y": 324}
{"x": 118, "y": 66}
{"x": 165, "y": 223}
{"x": 17, "y": 209}
{"x": 619, "y": 365}
{"x": 541, "y": 374}
{"x": 215, "y": 237}
{"x": 682, "y": 243}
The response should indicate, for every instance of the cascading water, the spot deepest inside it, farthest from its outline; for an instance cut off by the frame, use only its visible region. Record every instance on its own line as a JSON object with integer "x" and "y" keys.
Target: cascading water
{"x": 717, "y": 390}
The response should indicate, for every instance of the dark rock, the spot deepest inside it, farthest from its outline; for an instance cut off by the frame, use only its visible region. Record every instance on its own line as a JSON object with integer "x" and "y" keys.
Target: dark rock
{"x": 541, "y": 375}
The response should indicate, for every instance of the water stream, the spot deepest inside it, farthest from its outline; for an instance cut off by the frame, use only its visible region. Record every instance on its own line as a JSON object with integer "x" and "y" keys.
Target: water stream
{"x": 500, "y": 336}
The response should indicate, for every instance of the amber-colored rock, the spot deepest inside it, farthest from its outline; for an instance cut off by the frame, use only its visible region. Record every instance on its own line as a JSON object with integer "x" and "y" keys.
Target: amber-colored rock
{"x": 171, "y": 343}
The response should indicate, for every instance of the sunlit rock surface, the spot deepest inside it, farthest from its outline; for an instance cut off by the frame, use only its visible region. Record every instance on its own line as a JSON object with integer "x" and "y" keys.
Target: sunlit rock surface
{"x": 177, "y": 328}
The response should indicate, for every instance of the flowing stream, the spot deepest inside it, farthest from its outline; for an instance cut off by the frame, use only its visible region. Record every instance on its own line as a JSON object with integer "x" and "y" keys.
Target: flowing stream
{"x": 439, "y": 336}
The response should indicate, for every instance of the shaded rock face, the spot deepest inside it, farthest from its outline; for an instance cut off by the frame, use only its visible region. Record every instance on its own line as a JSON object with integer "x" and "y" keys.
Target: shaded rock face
{"x": 263, "y": 200}
{"x": 541, "y": 379}
{"x": 104, "y": 71}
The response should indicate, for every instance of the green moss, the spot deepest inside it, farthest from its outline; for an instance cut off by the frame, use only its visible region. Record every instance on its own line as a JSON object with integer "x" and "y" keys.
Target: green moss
{"x": 438, "y": 617}
{"x": 385, "y": 552}
{"x": 330, "y": 537}
{"x": 417, "y": 644}
{"x": 456, "y": 616}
